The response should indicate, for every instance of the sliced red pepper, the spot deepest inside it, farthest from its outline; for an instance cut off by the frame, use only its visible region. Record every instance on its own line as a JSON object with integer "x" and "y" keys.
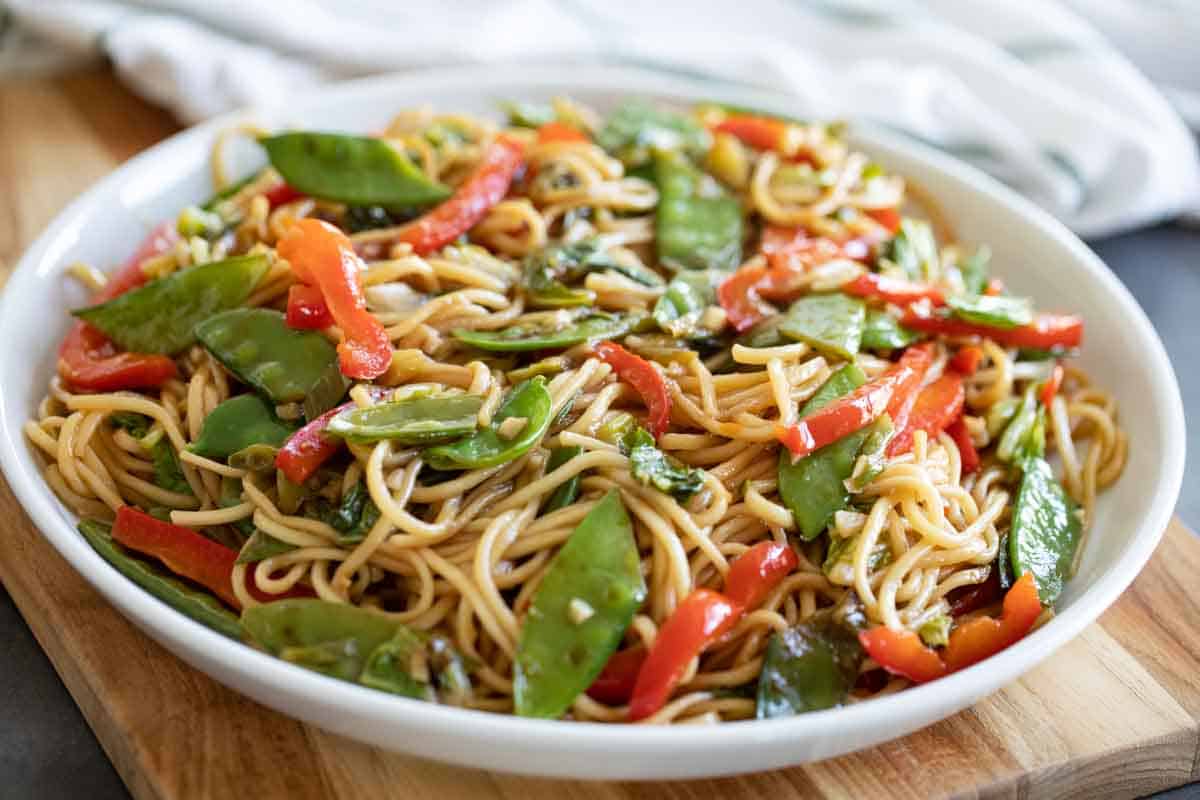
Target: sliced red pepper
{"x": 889, "y": 392}
{"x": 937, "y": 405}
{"x": 560, "y": 132}
{"x": 471, "y": 201}
{"x": 967, "y": 454}
{"x": 887, "y": 217}
{"x": 646, "y": 381}
{"x": 306, "y": 308}
{"x": 322, "y": 256}
{"x": 1046, "y": 332}
{"x": 184, "y": 551}
{"x": 903, "y": 653}
{"x": 738, "y": 296}
{"x": 994, "y": 288}
{"x": 698, "y": 621}
{"x": 893, "y": 290}
{"x": 967, "y": 360}
{"x": 756, "y": 572}
{"x": 614, "y": 685}
{"x": 308, "y": 448}
{"x": 89, "y": 361}
{"x": 1051, "y": 386}
{"x": 281, "y": 193}
{"x": 761, "y": 133}
{"x": 985, "y": 636}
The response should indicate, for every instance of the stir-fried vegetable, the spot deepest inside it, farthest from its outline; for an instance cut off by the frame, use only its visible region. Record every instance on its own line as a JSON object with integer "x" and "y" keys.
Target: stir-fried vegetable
{"x": 830, "y": 323}
{"x": 679, "y": 311}
{"x": 996, "y": 312}
{"x": 913, "y": 250}
{"x": 937, "y": 405}
{"x": 518, "y": 424}
{"x": 257, "y": 346}
{"x": 161, "y": 316}
{"x": 646, "y": 380}
{"x": 1045, "y": 332}
{"x": 652, "y": 467}
{"x": 813, "y": 665}
{"x": 1046, "y": 528}
{"x": 580, "y": 612}
{"x": 568, "y": 491}
{"x": 550, "y": 335}
{"x": 350, "y": 169}
{"x": 548, "y": 271}
{"x": 697, "y": 225}
{"x": 636, "y": 130}
{"x": 882, "y": 331}
{"x": 238, "y": 423}
{"x": 420, "y": 419}
{"x": 309, "y": 447}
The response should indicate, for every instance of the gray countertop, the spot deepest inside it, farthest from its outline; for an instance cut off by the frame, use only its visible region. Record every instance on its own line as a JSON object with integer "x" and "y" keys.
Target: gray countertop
{"x": 48, "y": 751}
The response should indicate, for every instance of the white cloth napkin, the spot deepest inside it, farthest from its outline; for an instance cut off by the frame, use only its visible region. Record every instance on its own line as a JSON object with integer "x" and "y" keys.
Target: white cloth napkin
{"x": 1025, "y": 89}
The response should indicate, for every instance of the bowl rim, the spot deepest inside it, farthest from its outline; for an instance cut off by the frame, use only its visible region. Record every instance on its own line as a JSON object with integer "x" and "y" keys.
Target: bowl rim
{"x": 182, "y": 633}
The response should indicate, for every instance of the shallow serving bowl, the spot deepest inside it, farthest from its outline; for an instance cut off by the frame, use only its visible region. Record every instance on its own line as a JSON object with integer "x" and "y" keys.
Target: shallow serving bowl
{"x": 1034, "y": 253}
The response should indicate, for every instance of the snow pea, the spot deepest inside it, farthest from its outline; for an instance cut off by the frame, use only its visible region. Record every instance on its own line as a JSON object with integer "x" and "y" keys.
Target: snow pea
{"x": 974, "y": 270}
{"x": 882, "y": 331}
{"x": 255, "y": 457}
{"x": 327, "y": 392}
{"x": 388, "y": 668}
{"x": 872, "y": 456}
{"x": 411, "y": 420}
{"x": 527, "y": 115}
{"x": 764, "y": 334}
{"x": 914, "y": 250}
{"x": 637, "y": 129}
{"x": 697, "y": 225}
{"x": 1019, "y": 428}
{"x": 200, "y": 606}
{"x": 261, "y": 546}
{"x": 549, "y": 335}
{"x": 238, "y": 423}
{"x": 161, "y": 316}
{"x": 813, "y": 665}
{"x": 579, "y": 613}
{"x": 257, "y": 346}
{"x": 358, "y": 170}
{"x": 679, "y": 309}
{"x": 814, "y": 487}
{"x": 832, "y": 324}
{"x": 996, "y": 312}
{"x": 1045, "y": 531}
{"x": 567, "y": 492}
{"x": 529, "y": 401}
{"x": 652, "y": 467}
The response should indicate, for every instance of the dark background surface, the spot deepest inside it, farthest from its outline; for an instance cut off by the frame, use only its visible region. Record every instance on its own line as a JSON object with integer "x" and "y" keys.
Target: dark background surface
{"x": 48, "y": 751}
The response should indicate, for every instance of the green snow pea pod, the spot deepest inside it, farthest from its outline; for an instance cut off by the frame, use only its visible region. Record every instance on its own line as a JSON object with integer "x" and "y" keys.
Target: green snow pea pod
{"x": 358, "y": 170}
{"x": 636, "y": 129}
{"x": 813, "y": 665}
{"x": 255, "y": 457}
{"x": 579, "y": 613}
{"x": 389, "y": 667}
{"x": 238, "y": 423}
{"x": 974, "y": 270}
{"x": 832, "y": 324}
{"x": 567, "y": 492}
{"x": 882, "y": 331}
{"x": 528, "y": 404}
{"x": 411, "y": 420}
{"x": 913, "y": 249}
{"x": 679, "y": 309}
{"x": 527, "y": 115}
{"x": 550, "y": 336}
{"x": 997, "y": 312}
{"x": 814, "y": 487}
{"x": 1045, "y": 529}
{"x": 697, "y": 225}
{"x": 332, "y": 638}
{"x": 257, "y": 346}
{"x": 200, "y": 606}
{"x": 1019, "y": 428}
{"x": 161, "y": 316}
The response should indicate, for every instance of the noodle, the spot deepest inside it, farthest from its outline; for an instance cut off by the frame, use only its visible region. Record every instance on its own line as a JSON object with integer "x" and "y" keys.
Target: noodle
{"x": 462, "y": 554}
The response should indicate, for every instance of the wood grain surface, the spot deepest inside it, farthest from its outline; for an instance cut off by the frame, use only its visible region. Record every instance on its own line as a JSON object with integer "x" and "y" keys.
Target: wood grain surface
{"x": 1116, "y": 713}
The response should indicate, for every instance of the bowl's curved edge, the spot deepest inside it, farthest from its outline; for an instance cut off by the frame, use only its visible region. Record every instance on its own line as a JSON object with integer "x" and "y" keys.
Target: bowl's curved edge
{"x": 547, "y": 747}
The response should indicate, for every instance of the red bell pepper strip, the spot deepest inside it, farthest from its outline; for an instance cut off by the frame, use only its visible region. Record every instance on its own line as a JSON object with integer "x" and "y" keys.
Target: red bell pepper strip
{"x": 893, "y": 392}
{"x": 937, "y": 405}
{"x": 309, "y": 448}
{"x": 757, "y": 571}
{"x": 184, "y": 551}
{"x": 887, "y": 217}
{"x": 560, "y": 132}
{"x": 281, "y": 193}
{"x": 1046, "y": 332}
{"x": 322, "y": 256}
{"x": 614, "y": 685}
{"x": 985, "y": 636}
{"x": 903, "y": 653}
{"x": 893, "y": 290}
{"x": 967, "y": 360}
{"x": 698, "y": 621}
{"x": 470, "y": 202}
{"x": 967, "y": 454}
{"x": 739, "y": 298}
{"x": 1051, "y": 386}
{"x": 646, "y": 381}
{"x": 306, "y": 308}
{"x": 994, "y": 287}
{"x": 761, "y": 133}
{"x": 89, "y": 361}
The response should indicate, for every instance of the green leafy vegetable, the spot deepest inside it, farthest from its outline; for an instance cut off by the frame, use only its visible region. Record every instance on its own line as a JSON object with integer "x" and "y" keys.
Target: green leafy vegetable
{"x": 830, "y": 323}
{"x": 636, "y": 129}
{"x": 652, "y": 467}
{"x": 238, "y": 423}
{"x": 996, "y": 312}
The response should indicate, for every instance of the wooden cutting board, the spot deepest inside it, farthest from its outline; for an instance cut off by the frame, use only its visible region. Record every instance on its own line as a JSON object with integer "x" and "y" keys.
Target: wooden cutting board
{"x": 1116, "y": 713}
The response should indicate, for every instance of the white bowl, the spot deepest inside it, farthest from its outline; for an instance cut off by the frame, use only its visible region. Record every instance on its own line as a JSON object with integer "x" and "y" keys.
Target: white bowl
{"x": 1035, "y": 254}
